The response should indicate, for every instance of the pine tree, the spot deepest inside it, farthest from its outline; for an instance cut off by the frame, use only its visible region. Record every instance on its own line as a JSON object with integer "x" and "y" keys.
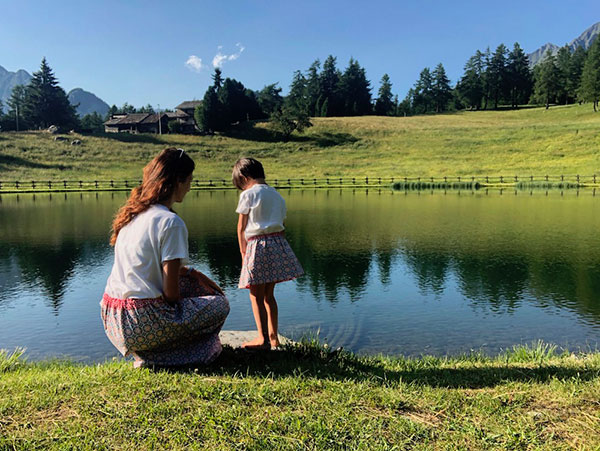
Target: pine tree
{"x": 441, "y": 91}
{"x": 590, "y": 77}
{"x": 487, "y": 58}
{"x": 354, "y": 91}
{"x": 297, "y": 99}
{"x": 574, "y": 81}
{"x": 563, "y": 72}
{"x": 385, "y": 106}
{"x": 46, "y": 103}
{"x": 217, "y": 78}
{"x": 16, "y": 104}
{"x": 329, "y": 80}
{"x": 519, "y": 76}
{"x": 208, "y": 113}
{"x": 546, "y": 78}
{"x": 422, "y": 94}
{"x": 470, "y": 86}
{"x": 269, "y": 99}
{"x": 496, "y": 71}
{"x": 313, "y": 89}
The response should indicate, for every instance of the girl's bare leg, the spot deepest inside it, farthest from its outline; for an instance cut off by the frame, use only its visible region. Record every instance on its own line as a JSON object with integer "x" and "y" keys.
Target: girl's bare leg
{"x": 257, "y": 295}
{"x": 272, "y": 314}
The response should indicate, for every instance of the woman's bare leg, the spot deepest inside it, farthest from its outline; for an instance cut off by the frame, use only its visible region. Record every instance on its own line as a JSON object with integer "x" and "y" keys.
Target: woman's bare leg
{"x": 272, "y": 314}
{"x": 257, "y": 295}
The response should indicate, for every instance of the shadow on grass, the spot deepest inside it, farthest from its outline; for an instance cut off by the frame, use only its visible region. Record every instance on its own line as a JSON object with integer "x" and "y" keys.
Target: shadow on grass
{"x": 8, "y": 161}
{"x": 316, "y": 362}
{"x": 144, "y": 138}
{"x": 248, "y": 132}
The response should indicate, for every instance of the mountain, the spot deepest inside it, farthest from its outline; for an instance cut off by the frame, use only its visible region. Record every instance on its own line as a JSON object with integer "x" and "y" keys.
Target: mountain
{"x": 8, "y": 80}
{"x": 584, "y": 40}
{"x": 87, "y": 102}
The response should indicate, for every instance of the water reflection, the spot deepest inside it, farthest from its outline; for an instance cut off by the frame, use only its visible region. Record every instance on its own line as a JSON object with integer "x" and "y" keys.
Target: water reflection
{"x": 500, "y": 253}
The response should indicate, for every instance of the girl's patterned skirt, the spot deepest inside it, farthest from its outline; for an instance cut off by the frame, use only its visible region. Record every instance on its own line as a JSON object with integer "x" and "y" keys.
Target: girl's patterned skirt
{"x": 155, "y": 332}
{"x": 269, "y": 258}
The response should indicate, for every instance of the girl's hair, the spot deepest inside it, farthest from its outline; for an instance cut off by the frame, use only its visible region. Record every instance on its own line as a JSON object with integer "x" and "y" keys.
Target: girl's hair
{"x": 159, "y": 182}
{"x": 246, "y": 168}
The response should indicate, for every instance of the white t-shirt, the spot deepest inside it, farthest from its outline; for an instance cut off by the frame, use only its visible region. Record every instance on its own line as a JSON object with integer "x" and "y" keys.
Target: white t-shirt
{"x": 153, "y": 237}
{"x": 265, "y": 209}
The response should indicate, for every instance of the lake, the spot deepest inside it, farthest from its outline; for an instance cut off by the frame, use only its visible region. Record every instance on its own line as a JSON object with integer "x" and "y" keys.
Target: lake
{"x": 386, "y": 272}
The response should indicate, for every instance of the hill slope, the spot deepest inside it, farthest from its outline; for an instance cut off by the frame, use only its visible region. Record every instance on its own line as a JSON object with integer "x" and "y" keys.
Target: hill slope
{"x": 534, "y": 141}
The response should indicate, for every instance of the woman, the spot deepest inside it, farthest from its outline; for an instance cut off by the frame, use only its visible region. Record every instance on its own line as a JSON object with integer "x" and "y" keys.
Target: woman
{"x": 155, "y": 308}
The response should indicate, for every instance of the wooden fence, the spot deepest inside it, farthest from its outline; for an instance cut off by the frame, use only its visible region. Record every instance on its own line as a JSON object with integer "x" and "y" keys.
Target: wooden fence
{"x": 565, "y": 181}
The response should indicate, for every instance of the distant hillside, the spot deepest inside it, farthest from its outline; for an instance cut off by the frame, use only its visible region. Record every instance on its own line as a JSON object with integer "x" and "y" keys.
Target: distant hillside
{"x": 87, "y": 102}
{"x": 584, "y": 40}
{"x": 8, "y": 80}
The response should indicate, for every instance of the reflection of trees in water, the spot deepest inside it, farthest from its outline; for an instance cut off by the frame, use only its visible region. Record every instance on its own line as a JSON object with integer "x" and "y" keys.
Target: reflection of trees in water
{"x": 496, "y": 281}
{"x": 430, "y": 269}
{"x": 52, "y": 266}
{"x": 221, "y": 254}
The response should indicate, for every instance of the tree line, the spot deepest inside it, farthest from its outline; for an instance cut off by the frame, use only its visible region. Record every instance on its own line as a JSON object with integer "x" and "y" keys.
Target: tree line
{"x": 490, "y": 80}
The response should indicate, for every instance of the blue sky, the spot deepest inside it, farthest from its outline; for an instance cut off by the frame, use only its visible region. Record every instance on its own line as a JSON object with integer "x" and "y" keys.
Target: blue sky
{"x": 136, "y": 51}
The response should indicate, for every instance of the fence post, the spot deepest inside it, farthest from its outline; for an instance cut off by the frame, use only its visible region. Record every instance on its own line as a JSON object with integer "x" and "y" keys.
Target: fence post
{"x": 49, "y": 184}
{"x": 126, "y": 185}
{"x": 340, "y": 180}
{"x": 516, "y": 179}
{"x": 546, "y": 178}
{"x": 33, "y": 184}
{"x": 289, "y": 182}
{"x": 65, "y": 184}
{"x": 16, "y": 185}
{"x": 487, "y": 179}
{"x": 562, "y": 178}
{"x": 501, "y": 179}
{"x": 578, "y": 179}
{"x": 96, "y": 183}
{"x": 445, "y": 179}
{"x": 80, "y": 184}
{"x": 301, "y": 181}
{"x": 327, "y": 180}
{"x": 225, "y": 183}
{"x": 459, "y": 179}
{"x": 366, "y": 180}
{"x": 353, "y": 181}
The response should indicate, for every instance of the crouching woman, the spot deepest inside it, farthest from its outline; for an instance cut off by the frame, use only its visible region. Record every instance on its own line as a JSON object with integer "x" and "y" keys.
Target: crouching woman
{"x": 155, "y": 308}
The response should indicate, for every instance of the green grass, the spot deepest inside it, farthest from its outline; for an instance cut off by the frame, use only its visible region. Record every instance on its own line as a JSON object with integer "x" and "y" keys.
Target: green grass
{"x": 533, "y": 141}
{"x": 308, "y": 397}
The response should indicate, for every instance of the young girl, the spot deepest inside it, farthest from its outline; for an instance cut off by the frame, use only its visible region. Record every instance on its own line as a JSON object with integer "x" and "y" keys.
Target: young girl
{"x": 154, "y": 308}
{"x": 266, "y": 255}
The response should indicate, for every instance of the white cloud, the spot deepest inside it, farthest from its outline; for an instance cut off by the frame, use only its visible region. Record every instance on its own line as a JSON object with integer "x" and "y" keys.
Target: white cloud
{"x": 194, "y": 63}
{"x": 220, "y": 58}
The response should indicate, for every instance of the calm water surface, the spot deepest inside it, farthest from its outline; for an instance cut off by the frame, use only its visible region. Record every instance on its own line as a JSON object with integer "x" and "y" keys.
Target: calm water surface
{"x": 386, "y": 272}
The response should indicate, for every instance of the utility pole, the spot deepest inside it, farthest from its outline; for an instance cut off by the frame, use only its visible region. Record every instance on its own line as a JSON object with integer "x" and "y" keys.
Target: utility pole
{"x": 159, "y": 121}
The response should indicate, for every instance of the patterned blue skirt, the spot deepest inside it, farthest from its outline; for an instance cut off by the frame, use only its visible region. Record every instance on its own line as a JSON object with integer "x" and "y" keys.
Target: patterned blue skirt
{"x": 269, "y": 259}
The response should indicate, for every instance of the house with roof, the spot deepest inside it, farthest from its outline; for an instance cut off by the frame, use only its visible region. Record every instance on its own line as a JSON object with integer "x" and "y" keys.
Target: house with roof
{"x": 155, "y": 122}
{"x": 138, "y": 123}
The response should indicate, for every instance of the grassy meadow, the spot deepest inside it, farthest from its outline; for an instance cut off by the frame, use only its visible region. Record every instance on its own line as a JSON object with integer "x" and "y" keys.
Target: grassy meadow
{"x": 307, "y": 397}
{"x": 531, "y": 141}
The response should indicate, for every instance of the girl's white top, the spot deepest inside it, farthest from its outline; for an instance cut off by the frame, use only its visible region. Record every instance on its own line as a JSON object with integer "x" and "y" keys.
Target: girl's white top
{"x": 265, "y": 209}
{"x": 151, "y": 238}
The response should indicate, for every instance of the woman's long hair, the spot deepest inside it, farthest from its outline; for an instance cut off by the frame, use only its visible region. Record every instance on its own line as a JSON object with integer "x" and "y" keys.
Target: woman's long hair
{"x": 159, "y": 182}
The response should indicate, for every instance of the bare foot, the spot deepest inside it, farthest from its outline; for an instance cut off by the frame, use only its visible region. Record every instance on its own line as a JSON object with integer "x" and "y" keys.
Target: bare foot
{"x": 258, "y": 344}
{"x": 275, "y": 342}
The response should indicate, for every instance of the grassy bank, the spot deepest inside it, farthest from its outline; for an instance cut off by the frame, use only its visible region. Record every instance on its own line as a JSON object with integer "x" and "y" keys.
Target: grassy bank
{"x": 308, "y": 397}
{"x": 558, "y": 141}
